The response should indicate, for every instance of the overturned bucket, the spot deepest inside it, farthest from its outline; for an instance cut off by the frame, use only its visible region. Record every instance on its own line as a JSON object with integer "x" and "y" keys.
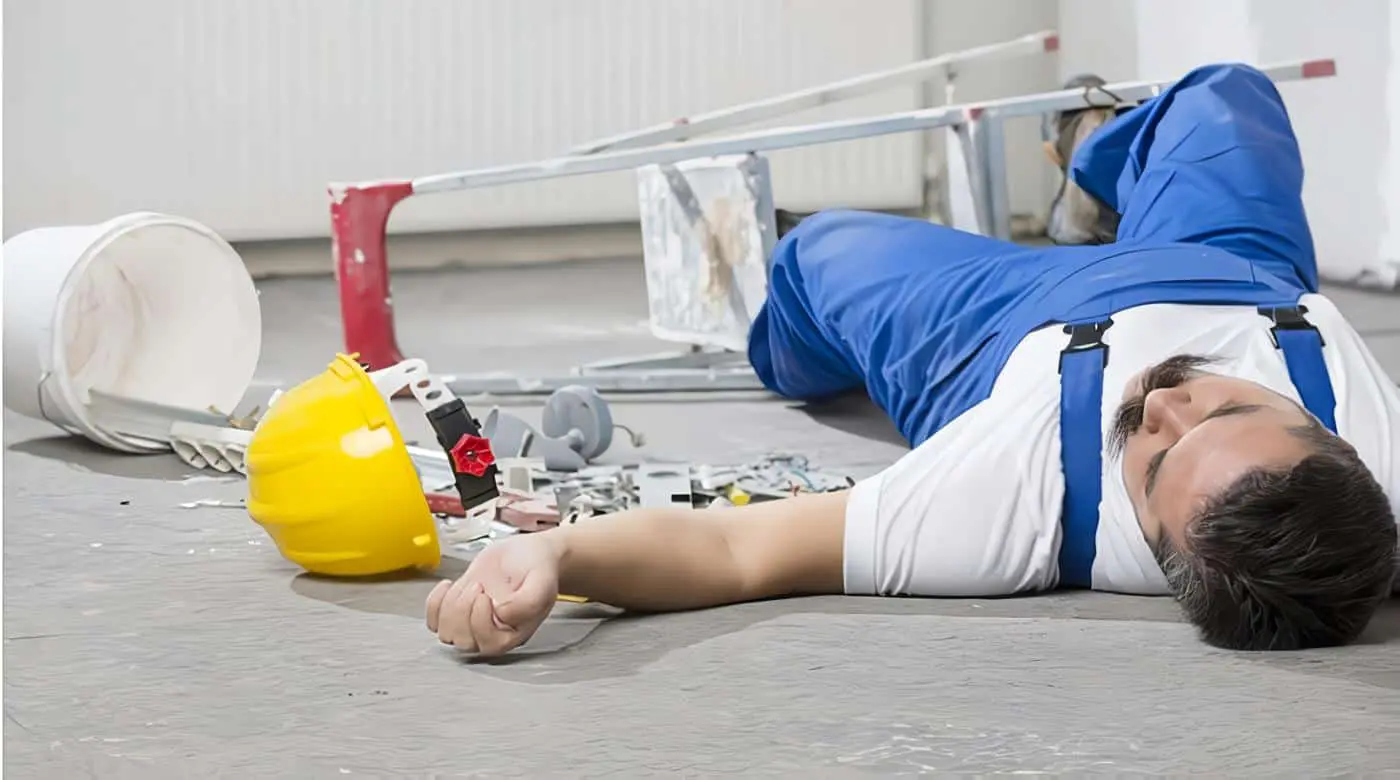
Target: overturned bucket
{"x": 146, "y": 307}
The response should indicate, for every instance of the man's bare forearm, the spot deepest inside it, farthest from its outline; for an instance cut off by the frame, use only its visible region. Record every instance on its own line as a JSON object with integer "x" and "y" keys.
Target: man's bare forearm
{"x": 653, "y": 560}
{"x": 666, "y": 559}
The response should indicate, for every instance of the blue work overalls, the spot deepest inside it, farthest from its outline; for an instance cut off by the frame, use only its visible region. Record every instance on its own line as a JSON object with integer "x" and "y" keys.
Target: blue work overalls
{"x": 1208, "y": 179}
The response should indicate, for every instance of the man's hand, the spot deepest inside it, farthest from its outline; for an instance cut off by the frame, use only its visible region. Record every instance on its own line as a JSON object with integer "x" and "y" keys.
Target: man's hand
{"x": 501, "y": 600}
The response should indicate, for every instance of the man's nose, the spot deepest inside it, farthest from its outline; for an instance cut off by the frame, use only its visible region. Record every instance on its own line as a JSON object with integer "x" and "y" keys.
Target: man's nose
{"x": 1169, "y": 411}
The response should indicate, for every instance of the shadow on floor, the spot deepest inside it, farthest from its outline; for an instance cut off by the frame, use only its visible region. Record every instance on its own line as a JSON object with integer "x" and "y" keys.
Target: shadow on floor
{"x": 586, "y": 642}
{"x": 93, "y": 457}
{"x": 1379, "y": 669}
{"x": 856, "y": 414}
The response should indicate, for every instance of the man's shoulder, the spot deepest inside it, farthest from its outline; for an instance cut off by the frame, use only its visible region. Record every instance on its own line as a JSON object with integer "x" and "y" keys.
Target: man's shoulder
{"x": 1321, "y": 305}
{"x": 1343, "y": 332}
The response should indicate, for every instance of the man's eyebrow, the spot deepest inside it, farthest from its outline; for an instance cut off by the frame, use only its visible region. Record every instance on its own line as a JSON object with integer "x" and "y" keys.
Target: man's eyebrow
{"x": 1224, "y": 410}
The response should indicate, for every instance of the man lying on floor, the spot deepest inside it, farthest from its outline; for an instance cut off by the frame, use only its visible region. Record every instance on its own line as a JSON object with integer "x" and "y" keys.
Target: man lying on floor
{"x": 1177, "y": 412}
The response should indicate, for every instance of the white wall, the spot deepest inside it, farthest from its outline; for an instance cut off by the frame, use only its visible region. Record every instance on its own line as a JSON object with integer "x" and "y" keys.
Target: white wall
{"x": 1390, "y": 171}
{"x": 1099, "y": 36}
{"x": 1348, "y": 126}
{"x": 239, "y": 113}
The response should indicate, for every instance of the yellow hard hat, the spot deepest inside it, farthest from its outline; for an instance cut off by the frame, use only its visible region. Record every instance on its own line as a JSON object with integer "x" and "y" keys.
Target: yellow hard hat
{"x": 331, "y": 481}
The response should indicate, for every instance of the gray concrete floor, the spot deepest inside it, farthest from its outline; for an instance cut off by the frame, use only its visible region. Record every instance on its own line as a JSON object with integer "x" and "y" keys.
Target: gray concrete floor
{"x": 147, "y": 640}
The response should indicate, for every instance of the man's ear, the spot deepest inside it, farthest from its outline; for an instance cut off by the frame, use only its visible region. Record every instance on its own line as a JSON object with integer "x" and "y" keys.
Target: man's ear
{"x": 1053, "y": 155}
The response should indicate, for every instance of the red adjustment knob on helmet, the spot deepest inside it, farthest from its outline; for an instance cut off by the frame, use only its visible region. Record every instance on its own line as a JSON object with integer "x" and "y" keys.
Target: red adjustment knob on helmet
{"x": 472, "y": 455}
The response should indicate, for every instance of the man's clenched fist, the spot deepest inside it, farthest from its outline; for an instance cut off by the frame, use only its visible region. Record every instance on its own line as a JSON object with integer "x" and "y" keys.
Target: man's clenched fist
{"x": 501, "y": 600}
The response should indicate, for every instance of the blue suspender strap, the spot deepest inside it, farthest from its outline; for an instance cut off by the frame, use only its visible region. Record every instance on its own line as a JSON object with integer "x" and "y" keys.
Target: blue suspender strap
{"x": 1302, "y": 352}
{"x": 1081, "y": 449}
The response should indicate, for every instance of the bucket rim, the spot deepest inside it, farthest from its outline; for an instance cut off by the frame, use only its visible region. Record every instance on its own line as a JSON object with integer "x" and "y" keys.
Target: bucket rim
{"x": 57, "y": 371}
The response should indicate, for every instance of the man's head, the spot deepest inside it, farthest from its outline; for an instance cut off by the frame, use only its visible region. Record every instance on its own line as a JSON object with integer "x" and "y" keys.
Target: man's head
{"x": 1272, "y": 533}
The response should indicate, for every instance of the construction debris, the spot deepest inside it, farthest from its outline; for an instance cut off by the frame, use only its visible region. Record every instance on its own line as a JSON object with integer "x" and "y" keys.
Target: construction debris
{"x": 210, "y": 447}
{"x": 527, "y": 512}
{"x": 660, "y": 484}
{"x": 567, "y": 498}
{"x": 517, "y": 474}
{"x": 214, "y": 503}
{"x": 543, "y": 478}
{"x": 575, "y": 427}
{"x": 777, "y": 475}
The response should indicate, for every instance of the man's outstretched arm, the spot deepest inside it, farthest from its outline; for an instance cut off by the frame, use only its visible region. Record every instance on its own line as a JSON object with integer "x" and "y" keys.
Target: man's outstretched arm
{"x": 651, "y": 560}
{"x": 675, "y": 559}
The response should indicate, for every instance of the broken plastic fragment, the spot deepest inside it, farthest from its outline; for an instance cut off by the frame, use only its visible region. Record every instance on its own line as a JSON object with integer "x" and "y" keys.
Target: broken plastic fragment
{"x": 210, "y": 447}
{"x": 213, "y": 502}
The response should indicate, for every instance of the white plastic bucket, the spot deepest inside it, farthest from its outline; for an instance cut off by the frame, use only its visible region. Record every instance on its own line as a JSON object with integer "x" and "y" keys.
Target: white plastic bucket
{"x": 144, "y": 306}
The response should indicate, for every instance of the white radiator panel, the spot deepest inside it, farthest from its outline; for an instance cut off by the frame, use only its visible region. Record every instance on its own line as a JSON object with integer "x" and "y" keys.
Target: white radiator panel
{"x": 237, "y": 114}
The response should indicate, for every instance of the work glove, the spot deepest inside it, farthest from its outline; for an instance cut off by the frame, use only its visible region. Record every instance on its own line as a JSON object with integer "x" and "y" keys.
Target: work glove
{"x": 501, "y": 600}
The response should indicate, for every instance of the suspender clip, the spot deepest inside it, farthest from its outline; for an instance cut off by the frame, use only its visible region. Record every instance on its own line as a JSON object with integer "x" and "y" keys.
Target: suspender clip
{"x": 1086, "y": 336}
{"x": 1288, "y": 318}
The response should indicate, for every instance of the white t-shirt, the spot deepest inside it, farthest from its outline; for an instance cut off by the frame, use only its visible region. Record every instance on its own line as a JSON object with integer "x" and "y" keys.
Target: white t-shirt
{"x": 975, "y": 510}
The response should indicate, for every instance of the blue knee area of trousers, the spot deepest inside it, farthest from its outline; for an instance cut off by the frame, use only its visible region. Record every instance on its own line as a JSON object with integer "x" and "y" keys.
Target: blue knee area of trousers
{"x": 1212, "y": 161}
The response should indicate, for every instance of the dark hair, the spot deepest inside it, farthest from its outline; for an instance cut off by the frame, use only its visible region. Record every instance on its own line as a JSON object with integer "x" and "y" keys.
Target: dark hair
{"x": 1287, "y": 559}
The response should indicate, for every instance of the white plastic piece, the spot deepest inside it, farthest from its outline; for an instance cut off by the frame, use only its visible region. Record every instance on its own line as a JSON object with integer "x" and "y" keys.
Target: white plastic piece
{"x": 135, "y": 420}
{"x": 518, "y": 473}
{"x": 432, "y": 465}
{"x": 145, "y": 306}
{"x": 433, "y": 468}
{"x": 391, "y": 379}
{"x": 214, "y": 503}
{"x": 664, "y": 484}
{"x": 430, "y": 391}
{"x": 208, "y": 447}
{"x": 480, "y": 519}
{"x": 707, "y": 231}
{"x": 715, "y": 477}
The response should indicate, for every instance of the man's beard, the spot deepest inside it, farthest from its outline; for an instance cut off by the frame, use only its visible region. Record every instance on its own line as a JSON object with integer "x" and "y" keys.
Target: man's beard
{"x": 1172, "y": 372}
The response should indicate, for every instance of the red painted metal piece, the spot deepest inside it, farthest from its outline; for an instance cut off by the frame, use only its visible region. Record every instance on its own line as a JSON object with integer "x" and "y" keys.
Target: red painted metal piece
{"x": 445, "y": 504}
{"x": 359, "y": 219}
{"x": 1319, "y": 69}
